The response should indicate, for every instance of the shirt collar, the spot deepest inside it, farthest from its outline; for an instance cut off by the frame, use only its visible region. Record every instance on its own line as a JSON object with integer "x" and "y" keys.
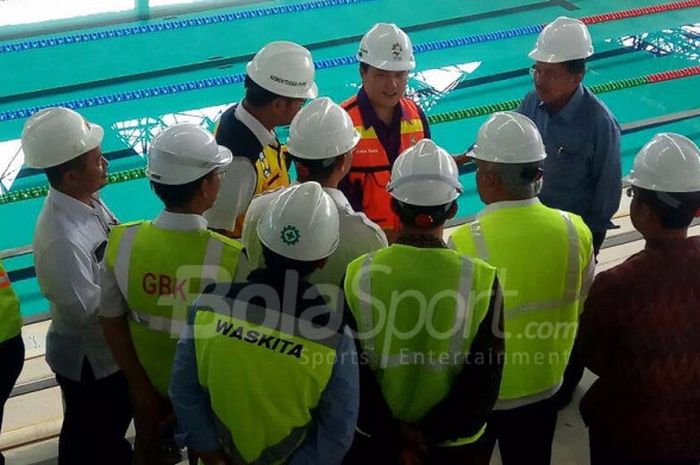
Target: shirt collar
{"x": 338, "y": 197}
{"x": 507, "y": 204}
{"x": 369, "y": 116}
{"x": 261, "y": 133}
{"x": 72, "y": 206}
{"x": 665, "y": 243}
{"x": 180, "y": 221}
{"x": 571, "y": 108}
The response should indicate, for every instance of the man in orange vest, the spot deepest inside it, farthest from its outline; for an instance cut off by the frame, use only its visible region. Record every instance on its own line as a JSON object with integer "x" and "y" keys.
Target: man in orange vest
{"x": 388, "y": 122}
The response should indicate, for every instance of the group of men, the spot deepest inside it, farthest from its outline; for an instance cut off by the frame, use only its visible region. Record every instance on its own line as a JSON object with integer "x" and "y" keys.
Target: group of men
{"x": 327, "y": 321}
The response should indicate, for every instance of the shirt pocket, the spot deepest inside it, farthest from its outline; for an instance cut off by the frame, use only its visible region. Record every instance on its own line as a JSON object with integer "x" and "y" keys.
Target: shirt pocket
{"x": 569, "y": 168}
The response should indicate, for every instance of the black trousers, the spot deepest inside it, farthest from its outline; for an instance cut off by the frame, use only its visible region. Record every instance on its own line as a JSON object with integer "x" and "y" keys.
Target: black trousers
{"x": 97, "y": 415}
{"x": 11, "y": 363}
{"x": 603, "y": 453}
{"x": 524, "y": 435}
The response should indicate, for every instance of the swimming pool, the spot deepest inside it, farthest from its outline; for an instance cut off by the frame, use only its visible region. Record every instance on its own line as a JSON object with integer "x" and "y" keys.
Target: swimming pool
{"x": 132, "y": 78}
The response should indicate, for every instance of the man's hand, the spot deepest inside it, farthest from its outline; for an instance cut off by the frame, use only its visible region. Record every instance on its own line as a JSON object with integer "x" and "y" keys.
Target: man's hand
{"x": 413, "y": 445}
{"x": 151, "y": 410}
{"x": 217, "y": 457}
{"x": 462, "y": 159}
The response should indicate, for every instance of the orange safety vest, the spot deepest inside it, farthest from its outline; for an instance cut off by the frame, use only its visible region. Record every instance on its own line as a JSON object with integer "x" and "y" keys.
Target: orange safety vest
{"x": 371, "y": 168}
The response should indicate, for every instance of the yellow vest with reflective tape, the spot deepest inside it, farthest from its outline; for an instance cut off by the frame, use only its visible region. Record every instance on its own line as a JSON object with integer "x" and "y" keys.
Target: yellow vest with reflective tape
{"x": 263, "y": 379}
{"x": 160, "y": 272}
{"x": 541, "y": 254}
{"x": 10, "y": 318}
{"x": 435, "y": 313}
{"x": 271, "y": 168}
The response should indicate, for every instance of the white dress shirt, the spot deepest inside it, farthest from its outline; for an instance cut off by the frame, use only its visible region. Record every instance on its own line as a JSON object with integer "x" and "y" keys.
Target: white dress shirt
{"x": 358, "y": 236}
{"x": 69, "y": 242}
{"x": 238, "y": 187}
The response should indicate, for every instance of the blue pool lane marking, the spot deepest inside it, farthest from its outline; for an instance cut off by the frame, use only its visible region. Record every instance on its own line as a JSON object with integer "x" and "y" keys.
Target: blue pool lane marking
{"x": 174, "y": 25}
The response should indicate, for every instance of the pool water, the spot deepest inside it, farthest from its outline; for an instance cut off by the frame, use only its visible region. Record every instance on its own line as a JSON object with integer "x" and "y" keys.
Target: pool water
{"x": 134, "y": 78}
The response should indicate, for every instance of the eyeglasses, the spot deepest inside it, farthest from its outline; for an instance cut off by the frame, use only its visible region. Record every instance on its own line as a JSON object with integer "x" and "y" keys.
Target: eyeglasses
{"x": 221, "y": 172}
{"x": 545, "y": 75}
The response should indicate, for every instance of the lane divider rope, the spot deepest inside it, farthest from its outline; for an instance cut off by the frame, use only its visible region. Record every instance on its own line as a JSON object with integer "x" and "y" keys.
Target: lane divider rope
{"x": 174, "y": 25}
{"x": 208, "y": 83}
{"x": 137, "y": 173}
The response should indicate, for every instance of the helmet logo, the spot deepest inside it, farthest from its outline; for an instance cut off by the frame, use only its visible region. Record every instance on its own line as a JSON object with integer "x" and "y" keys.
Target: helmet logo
{"x": 396, "y": 51}
{"x": 287, "y": 82}
{"x": 290, "y": 235}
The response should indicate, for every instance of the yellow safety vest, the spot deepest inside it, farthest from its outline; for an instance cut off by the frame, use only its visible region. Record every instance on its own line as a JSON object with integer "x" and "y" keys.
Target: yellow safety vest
{"x": 541, "y": 255}
{"x": 10, "y": 318}
{"x": 271, "y": 168}
{"x": 258, "y": 371}
{"x": 160, "y": 272}
{"x": 416, "y": 372}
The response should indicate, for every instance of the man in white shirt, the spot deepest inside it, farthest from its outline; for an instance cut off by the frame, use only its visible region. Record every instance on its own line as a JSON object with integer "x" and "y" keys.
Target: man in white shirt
{"x": 279, "y": 79}
{"x": 321, "y": 143}
{"x": 69, "y": 242}
{"x": 152, "y": 271}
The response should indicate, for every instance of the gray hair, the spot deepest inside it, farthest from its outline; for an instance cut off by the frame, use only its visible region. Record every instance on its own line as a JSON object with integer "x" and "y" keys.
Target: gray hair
{"x": 518, "y": 186}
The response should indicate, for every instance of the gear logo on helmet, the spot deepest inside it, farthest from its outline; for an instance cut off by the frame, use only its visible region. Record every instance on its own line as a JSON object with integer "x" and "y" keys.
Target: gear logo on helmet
{"x": 303, "y": 211}
{"x": 290, "y": 235}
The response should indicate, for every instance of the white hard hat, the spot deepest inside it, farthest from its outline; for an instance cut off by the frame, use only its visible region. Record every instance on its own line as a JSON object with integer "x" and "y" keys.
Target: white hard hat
{"x": 425, "y": 175}
{"x": 321, "y": 130}
{"x": 183, "y": 153}
{"x": 284, "y": 68}
{"x": 54, "y": 136}
{"x": 564, "y": 39}
{"x": 387, "y": 47}
{"x": 668, "y": 163}
{"x": 301, "y": 223}
{"x": 509, "y": 137}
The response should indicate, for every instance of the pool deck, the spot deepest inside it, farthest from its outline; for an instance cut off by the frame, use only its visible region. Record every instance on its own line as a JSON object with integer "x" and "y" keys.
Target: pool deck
{"x": 33, "y": 420}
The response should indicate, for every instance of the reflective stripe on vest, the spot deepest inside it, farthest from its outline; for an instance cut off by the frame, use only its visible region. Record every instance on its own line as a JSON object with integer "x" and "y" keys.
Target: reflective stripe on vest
{"x": 541, "y": 272}
{"x": 10, "y": 318}
{"x": 158, "y": 323}
{"x": 571, "y": 289}
{"x": 371, "y": 168}
{"x": 271, "y": 168}
{"x": 210, "y": 268}
{"x": 270, "y": 456}
{"x": 455, "y": 443}
{"x": 261, "y": 422}
{"x": 159, "y": 272}
{"x": 416, "y": 330}
{"x": 366, "y": 323}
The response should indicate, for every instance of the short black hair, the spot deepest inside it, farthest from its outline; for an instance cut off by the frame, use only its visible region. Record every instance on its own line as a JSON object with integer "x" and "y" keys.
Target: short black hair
{"x": 576, "y": 66}
{"x": 256, "y": 95}
{"x": 55, "y": 173}
{"x": 177, "y": 196}
{"x": 408, "y": 213}
{"x": 317, "y": 170}
{"x": 364, "y": 67}
{"x": 675, "y": 210}
{"x": 281, "y": 264}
